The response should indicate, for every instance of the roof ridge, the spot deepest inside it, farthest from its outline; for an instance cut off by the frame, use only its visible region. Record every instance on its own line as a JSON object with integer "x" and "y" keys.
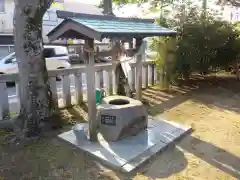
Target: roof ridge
{"x": 68, "y": 14}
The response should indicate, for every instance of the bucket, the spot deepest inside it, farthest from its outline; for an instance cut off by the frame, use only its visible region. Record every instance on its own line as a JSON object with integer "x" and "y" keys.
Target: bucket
{"x": 100, "y": 94}
{"x": 79, "y": 132}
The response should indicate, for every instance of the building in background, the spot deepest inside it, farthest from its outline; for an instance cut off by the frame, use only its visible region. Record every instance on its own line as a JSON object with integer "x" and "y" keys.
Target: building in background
{"x": 6, "y": 27}
{"x": 50, "y": 21}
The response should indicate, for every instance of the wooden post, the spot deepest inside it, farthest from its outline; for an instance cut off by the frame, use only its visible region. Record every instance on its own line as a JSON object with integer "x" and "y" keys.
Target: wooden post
{"x": 98, "y": 80}
{"x": 115, "y": 73}
{"x": 91, "y": 94}
{"x": 139, "y": 72}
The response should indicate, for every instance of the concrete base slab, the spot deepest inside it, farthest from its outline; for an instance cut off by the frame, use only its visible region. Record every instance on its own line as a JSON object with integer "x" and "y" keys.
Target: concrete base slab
{"x": 129, "y": 153}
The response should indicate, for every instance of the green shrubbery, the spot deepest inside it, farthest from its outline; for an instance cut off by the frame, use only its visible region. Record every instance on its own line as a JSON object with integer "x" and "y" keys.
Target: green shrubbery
{"x": 202, "y": 46}
{"x": 206, "y": 46}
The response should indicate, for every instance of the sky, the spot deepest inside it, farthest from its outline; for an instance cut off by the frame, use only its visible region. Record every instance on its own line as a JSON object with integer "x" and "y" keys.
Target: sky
{"x": 96, "y": 2}
{"x": 131, "y": 10}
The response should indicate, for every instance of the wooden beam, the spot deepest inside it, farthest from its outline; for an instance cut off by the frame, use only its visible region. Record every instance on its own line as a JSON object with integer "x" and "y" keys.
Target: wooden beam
{"x": 91, "y": 94}
{"x": 139, "y": 72}
{"x": 115, "y": 57}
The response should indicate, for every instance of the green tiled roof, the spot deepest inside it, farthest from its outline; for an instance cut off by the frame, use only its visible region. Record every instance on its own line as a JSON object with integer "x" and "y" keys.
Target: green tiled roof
{"x": 78, "y": 25}
{"x": 121, "y": 26}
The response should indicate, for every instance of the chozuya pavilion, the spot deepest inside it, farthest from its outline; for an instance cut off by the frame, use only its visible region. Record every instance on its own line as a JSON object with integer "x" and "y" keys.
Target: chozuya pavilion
{"x": 120, "y": 132}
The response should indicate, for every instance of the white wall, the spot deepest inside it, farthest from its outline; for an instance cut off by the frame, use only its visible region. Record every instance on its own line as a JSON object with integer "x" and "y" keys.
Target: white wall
{"x": 6, "y": 18}
{"x": 50, "y": 20}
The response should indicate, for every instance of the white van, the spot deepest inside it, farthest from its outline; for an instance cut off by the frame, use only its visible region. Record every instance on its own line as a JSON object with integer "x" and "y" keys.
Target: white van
{"x": 56, "y": 58}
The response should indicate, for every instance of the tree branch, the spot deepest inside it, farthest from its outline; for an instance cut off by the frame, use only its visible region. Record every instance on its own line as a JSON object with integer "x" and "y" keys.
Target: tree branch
{"x": 235, "y": 3}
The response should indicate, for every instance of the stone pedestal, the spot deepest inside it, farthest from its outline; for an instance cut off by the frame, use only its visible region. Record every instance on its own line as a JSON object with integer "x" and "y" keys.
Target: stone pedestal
{"x": 120, "y": 116}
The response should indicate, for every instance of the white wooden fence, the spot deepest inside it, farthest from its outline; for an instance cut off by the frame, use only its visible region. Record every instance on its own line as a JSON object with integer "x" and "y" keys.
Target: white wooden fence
{"x": 75, "y": 94}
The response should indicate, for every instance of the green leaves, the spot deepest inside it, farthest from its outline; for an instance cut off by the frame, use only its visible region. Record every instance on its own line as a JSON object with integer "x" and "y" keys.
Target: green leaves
{"x": 123, "y": 2}
{"x": 154, "y": 3}
{"x": 206, "y": 46}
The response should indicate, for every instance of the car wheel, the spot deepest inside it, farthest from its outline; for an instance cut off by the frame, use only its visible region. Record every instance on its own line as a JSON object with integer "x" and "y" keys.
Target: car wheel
{"x": 9, "y": 84}
{"x": 59, "y": 78}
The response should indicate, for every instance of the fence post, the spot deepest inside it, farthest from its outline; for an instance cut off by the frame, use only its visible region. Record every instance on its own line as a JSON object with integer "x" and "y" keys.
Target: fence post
{"x": 78, "y": 88}
{"x": 110, "y": 82}
{"x": 4, "y": 105}
{"x": 145, "y": 75}
{"x": 98, "y": 80}
{"x": 66, "y": 91}
{"x": 151, "y": 74}
{"x": 155, "y": 74}
{"x": 114, "y": 80}
{"x": 53, "y": 87}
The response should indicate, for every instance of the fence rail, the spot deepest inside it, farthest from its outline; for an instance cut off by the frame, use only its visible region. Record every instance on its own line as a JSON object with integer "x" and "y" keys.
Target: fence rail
{"x": 72, "y": 89}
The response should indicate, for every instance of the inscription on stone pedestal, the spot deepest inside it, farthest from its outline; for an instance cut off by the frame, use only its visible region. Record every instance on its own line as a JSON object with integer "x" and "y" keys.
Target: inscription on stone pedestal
{"x": 108, "y": 120}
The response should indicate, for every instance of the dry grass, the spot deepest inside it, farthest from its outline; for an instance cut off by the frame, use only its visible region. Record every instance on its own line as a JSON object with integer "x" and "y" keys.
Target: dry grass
{"x": 212, "y": 151}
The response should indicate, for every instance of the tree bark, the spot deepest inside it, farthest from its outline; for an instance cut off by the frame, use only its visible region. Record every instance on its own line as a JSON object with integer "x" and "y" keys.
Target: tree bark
{"x": 35, "y": 94}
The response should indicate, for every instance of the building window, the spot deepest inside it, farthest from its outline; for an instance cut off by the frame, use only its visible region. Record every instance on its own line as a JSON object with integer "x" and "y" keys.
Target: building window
{"x": 2, "y": 6}
{"x": 4, "y": 51}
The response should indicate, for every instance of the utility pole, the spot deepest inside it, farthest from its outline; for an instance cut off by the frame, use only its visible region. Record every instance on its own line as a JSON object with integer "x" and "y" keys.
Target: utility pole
{"x": 204, "y": 9}
{"x": 108, "y": 8}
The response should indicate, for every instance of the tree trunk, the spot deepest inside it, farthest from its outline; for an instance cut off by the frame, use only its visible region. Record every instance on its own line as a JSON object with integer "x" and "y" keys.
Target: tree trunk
{"x": 204, "y": 9}
{"x": 107, "y": 6}
{"x": 35, "y": 93}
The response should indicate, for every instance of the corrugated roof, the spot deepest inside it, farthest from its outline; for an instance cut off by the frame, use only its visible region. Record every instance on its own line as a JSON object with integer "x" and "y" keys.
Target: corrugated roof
{"x": 121, "y": 26}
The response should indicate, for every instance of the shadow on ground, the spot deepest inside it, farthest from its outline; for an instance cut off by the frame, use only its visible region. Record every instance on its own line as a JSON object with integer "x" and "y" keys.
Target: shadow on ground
{"x": 161, "y": 165}
{"x": 47, "y": 159}
{"x": 213, "y": 155}
{"x": 205, "y": 88}
{"x": 173, "y": 161}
